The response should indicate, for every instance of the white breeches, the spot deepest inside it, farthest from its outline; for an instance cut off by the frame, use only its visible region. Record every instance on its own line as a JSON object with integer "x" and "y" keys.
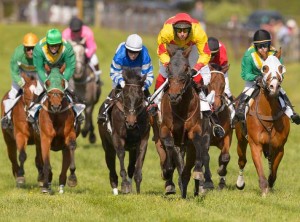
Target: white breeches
{"x": 94, "y": 62}
{"x": 227, "y": 87}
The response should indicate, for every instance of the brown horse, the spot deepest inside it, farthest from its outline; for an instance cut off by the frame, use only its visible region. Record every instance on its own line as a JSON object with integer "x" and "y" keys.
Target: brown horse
{"x": 84, "y": 85}
{"x": 21, "y": 134}
{"x": 57, "y": 131}
{"x": 130, "y": 132}
{"x": 183, "y": 129}
{"x": 220, "y": 107}
{"x": 267, "y": 126}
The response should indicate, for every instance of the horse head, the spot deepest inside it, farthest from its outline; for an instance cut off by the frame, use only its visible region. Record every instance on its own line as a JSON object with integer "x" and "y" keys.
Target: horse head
{"x": 79, "y": 51}
{"x": 178, "y": 72}
{"x": 55, "y": 86}
{"x": 29, "y": 87}
{"x": 133, "y": 96}
{"x": 217, "y": 84}
{"x": 272, "y": 71}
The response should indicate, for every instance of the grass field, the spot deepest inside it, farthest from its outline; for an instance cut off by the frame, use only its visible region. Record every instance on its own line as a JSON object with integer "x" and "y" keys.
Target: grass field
{"x": 92, "y": 199}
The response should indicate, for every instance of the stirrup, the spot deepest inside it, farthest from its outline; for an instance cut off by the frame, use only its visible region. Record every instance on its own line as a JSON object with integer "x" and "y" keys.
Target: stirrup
{"x": 218, "y": 131}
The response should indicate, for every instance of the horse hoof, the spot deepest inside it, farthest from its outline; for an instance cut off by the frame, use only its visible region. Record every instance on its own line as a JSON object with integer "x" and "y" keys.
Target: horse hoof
{"x": 84, "y": 133}
{"x": 126, "y": 188}
{"x": 222, "y": 184}
{"x": 170, "y": 189}
{"x": 72, "y": 181}
{"x": 61, "y": 189}
{"x": 209, "y": 185}
{"x": 46, "y": 190}
{"x": 115, "y": 191}
{"x": 92, "y": 138}
{"x": 20, "y": 181}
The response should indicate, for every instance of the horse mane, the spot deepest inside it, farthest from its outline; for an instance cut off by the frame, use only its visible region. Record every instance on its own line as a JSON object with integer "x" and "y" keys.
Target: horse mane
{"x": 131, "y": 76}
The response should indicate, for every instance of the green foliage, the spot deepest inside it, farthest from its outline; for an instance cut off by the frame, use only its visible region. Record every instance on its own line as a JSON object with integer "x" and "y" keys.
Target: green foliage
{"x": 92, "y": 199}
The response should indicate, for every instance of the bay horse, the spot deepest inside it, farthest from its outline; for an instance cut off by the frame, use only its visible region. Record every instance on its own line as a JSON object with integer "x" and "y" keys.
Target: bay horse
{"x": 57, "y": 131}
{"x": 267, "y": 126}
{"x": 21, "y": 133}
{"x": 130, "y": 132}
{"x": 220, "y": 107}
{"x": 183, "y": 129}
{"x": 84, "y": 85}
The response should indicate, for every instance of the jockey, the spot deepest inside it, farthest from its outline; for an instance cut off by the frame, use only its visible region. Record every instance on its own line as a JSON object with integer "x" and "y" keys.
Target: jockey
{"x": 21, "y": 62}
{"x": 251, "y": 66}
{"x": 53, "y": 51}
{"x": 130, "y": 54}
{"x": 219, "y": 57}
{"x": 78, "y": 31}
{"x": 184, "y": 31}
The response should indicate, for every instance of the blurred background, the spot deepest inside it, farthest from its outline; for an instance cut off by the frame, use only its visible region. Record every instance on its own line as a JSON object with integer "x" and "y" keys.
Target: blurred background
{"x": 232, "y": 21}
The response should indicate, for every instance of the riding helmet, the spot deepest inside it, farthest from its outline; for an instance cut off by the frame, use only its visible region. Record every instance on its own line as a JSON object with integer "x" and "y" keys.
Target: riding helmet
{"x": 30, "y": 40}
{"x": 134, "y": 43}
{"x": 213, "y": 45}
{"x": 261, "y": 35}
{"x": 182, "y": 21}
{"x": 75, "y": 24}
{"x": 53, "y": 37}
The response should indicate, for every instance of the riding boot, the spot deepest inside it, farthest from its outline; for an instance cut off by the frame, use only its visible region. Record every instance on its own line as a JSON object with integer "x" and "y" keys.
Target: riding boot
{"x": 32, "y": 116}
{"x": 103, "y": 117}
{"x": 6, "y": 122}
{"x": 218, "y": 130}
{"x": 240, "y": 111}
{"x": 295, "y": 117}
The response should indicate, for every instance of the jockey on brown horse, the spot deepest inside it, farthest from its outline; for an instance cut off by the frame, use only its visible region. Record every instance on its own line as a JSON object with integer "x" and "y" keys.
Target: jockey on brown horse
{"x": 53, "y": 51}
{"x": 251, "y": 66}
{"x": 21, "y": 62}
{"x": 184, "y": 31}
{"x": 78, "y": 31}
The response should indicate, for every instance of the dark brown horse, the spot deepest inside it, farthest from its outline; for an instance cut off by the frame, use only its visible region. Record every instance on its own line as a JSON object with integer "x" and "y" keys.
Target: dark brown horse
{"x": 183, "y": 128}
{"x": 267, "y": 126}
{"x": 57, "y": 131}
{"x": 130, "y": 132}
{"x": 84, "y": 85}
{"x": 220, "y": 107}
{"x": 21, "y": 134}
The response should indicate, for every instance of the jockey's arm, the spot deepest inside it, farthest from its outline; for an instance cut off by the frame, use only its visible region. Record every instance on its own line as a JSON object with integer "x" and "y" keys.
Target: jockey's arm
{"x": 39, "y": 60}
{"x": 70, "y": 62}
{"x": 247, "y": 69}
{"x": 14, "y": 70}
{"x": 91, "y": 46}
{"x": 147, "y": 69}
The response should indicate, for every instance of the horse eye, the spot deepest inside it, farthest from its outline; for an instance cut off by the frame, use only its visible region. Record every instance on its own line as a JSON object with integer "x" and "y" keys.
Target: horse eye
{"x": 265, "y": 69}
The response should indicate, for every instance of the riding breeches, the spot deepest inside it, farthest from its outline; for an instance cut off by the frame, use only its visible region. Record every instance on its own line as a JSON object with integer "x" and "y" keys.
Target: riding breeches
{"x": 94, "y": 62}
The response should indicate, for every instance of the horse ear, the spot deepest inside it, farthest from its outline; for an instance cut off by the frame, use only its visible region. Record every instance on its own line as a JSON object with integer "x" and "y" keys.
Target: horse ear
{"x": 225, "y": 68}
{"x": 187, "y": 51}
{"x": 171, "y": 49}
{"x": 83, "y": 41}
{"x": 47, "y": 68}
{"x": 47, "y": 83}
{"x": 144, "y": 77}
{"x": 124, "y": 75}
{"x": 63, "y": 83}
{"x": 278, "y": 53}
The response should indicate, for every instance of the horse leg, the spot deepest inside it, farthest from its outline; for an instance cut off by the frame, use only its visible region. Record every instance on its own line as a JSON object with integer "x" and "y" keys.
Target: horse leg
{"x": 273, "y": 165}
{"x": 39, "y": 163}
{"x": 168, "y": 142}
{"x": 224, "y": 159}
{"x": 139, "y": 162}
{"x": 178, "y": 159}
{"x": 66, "y": 160}
{"x": 21, "y": 141}
{"x": 72, "y": 179}
{"x": 186, "y": 172}
{"x": 125, "y": 185}
{"x": 45, "y": 144}
{"x": 87, "y": 123}
{"x": 131, "y": 164}
{"x": 256, "y": 151}
{"x": 242, "y": 159}
{"x": 92, "y": 136}
{"x": 110, "y": 159}
{"x": 12, "y": 152}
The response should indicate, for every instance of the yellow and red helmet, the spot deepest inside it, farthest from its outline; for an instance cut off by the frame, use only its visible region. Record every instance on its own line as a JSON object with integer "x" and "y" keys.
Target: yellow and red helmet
{"x": 30, "y": 40}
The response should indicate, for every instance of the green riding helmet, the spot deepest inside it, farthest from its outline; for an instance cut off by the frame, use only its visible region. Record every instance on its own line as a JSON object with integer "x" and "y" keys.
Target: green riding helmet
{"x": 53, "y": 37}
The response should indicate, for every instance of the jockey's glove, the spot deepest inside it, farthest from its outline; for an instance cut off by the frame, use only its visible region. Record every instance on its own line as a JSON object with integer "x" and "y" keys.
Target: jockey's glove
{"x": 258, "y": 79}
{"x": 21, "y": 83}
{"x": 122, "y": 83}
{"x": 193, "y": 72}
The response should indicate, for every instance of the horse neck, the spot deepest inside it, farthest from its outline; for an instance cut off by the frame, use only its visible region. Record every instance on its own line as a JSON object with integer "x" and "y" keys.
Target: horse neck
{"x": 267, "y": 104}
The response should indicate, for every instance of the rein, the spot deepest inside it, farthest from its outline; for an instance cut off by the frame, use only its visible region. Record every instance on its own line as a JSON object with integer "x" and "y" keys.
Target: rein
{"x": 60, "y": 111}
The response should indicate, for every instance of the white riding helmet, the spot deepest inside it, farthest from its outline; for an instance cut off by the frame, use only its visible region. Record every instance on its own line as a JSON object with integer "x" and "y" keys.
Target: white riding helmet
{"x": 134, "y": 43}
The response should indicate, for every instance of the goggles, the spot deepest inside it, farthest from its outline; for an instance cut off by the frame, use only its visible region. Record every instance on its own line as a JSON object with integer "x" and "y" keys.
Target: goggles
{"x": 29, "y": 48}
{"x": 262, "y": 45}
{"x": 180, "y": 30}
{"x": 133, "y": 52}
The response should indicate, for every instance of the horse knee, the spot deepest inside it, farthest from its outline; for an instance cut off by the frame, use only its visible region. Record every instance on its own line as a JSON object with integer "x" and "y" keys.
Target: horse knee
{"x": 72, "y": 145}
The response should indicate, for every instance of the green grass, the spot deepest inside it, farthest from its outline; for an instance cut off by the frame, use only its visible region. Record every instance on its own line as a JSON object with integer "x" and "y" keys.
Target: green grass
{"x": 92, "y": 200}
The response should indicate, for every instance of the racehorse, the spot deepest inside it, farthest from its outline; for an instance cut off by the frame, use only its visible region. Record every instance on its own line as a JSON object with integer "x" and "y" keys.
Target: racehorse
{"x": 86, "y": 88}
{"x": 220, "y": 107}
{"x": 130, "y": 132}
{"x": 21, "y": 133}
{"x": 57, "y": 131}
{"x": 183, "y": 129}
{"x": 267, "y": 127}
